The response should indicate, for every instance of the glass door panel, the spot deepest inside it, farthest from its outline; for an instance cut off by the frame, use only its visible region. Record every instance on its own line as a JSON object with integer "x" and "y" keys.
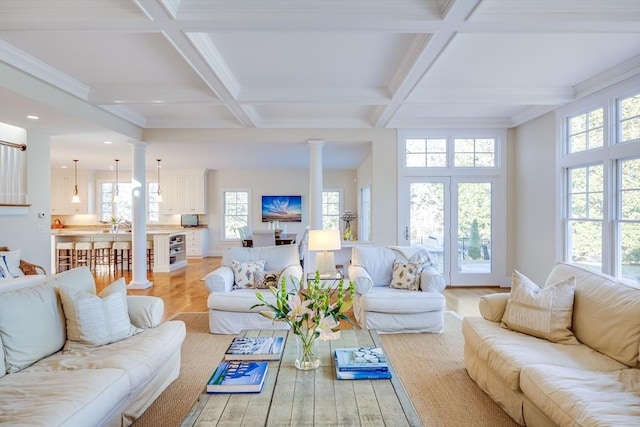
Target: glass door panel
{"x": 427, "y": 218}
{"x": 474, "y": 227}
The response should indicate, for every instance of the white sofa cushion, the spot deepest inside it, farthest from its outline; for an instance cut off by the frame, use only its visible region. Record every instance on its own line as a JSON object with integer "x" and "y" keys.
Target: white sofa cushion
{"x": 377, "y": 261}
{"x": 541, "y": 312}
{"x": 240, "y": 300}
{"x": 585, "y": 398}
{"x": 97, "y": 320}
{"x": 605, "y": 315}
{"x": 275, "y": 257}
{"x": 32, "y": 325}
{"x": 389, "y": 300}
{"x": 507, "y": 352}
{"x": 61, "y": 397}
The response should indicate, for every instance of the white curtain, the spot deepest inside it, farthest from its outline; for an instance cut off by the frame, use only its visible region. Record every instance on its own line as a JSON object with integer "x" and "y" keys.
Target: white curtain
{"x": 13, "y": 176}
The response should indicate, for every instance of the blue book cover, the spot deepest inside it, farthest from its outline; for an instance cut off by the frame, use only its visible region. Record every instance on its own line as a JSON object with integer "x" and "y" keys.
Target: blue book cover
{"x": 238, "y": 377}
{"x": 362, "y": 375}
{"x": 255, "y": 348}
{"x": 361, "y": 359}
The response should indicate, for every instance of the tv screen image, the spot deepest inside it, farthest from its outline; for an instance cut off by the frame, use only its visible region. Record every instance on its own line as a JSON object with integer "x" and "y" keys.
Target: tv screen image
{"x": 189, "y": 220}
{"x": 282, "y": 208}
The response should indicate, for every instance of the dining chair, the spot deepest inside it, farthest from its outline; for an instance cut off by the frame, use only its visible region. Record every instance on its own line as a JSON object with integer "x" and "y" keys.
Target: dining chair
{"x": 264, "y": 238}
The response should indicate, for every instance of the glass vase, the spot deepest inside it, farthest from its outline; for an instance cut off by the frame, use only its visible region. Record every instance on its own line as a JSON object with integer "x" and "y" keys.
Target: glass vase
{"x": 307, "y": 357}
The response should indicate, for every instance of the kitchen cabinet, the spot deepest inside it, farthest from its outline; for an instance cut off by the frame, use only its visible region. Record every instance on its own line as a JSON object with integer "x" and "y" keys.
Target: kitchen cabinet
{"x": 184, "y": 192}
{"x": 197, "y": 242}
{"x": 62, "y": 191}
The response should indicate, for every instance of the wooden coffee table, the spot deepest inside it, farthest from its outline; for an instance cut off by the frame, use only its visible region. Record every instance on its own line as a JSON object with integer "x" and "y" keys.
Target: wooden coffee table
{"x": 291, "y": 397}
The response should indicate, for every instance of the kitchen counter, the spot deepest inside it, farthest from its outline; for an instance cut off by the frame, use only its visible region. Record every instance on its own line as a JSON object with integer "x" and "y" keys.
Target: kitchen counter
{"x": 168, "y": 244}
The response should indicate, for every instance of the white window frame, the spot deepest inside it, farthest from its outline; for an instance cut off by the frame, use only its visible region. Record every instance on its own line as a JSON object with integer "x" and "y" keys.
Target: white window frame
{"x": 364, "y": 221}
{"x": 99, "y": 184}
{"x": 609, "y": 155}
{"x": 340, "y": 192}
{"x": 223, "y": 221}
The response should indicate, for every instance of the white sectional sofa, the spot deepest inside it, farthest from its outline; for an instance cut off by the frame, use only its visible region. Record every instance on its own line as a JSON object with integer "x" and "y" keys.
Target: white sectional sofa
{"x": 591, "y": 377}
{"x": 64, "y": 366}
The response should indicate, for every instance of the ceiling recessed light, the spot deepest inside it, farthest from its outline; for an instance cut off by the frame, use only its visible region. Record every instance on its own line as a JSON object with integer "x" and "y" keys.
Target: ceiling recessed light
{"x": 64, "y": 166}
{"x": 33, "y": 117}
{"x": 108, "y": 142}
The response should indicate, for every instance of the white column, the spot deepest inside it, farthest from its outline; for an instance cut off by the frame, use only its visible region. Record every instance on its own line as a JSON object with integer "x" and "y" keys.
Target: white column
{"x": 139, "y": 233}
{"x": 315, "y": 184}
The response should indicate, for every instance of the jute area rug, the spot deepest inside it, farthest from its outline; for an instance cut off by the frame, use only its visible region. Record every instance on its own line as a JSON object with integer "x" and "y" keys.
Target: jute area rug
{"x": 430, "y": 367}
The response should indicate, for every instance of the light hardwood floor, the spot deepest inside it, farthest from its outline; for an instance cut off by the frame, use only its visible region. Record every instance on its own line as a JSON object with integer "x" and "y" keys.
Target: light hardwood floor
{"x": 184, "y": 291}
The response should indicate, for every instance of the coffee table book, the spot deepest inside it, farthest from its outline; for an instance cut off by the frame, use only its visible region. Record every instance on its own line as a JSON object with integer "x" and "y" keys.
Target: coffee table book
{"x": 238, "y": 377}
{"x": 362, "y": 375}
{"x": 255, "y": 348}
{"x": 361, "y": 359}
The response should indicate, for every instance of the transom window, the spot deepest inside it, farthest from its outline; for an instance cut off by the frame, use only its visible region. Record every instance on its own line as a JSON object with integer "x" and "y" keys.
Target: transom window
{"x": 586, "y": 131}
{"x": 426, "y": 153}
{"x": 474, "y": 152}
{"x": 629, "y": 117}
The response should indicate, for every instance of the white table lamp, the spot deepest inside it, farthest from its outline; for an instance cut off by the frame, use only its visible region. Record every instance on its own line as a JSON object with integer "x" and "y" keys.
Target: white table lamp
{"x": 324, "y": 241}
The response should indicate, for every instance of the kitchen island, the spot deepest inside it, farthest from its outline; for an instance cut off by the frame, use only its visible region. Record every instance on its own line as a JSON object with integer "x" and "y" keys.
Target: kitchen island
{"x": 168, "y": 244}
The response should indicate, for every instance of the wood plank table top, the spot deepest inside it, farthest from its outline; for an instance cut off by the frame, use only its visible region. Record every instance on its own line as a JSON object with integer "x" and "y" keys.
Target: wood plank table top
{"x": 291, "y": 397}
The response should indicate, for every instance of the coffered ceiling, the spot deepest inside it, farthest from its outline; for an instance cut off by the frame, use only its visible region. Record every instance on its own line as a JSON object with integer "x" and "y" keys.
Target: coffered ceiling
{"x": 115, "y": 69}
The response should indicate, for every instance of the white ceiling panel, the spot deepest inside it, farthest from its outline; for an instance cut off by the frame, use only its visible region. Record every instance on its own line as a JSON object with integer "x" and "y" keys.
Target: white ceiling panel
{"x": 145, "y": 67}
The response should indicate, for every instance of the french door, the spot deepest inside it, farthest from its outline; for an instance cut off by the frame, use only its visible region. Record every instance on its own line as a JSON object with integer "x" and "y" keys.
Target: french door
{"x": 458, "y": 220}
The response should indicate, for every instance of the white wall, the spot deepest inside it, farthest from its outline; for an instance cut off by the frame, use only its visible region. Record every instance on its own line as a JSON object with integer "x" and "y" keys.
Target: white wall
{"x": 269, "y": 182}
{"x": 29, "y": 233}
{"x": 533, "y": 204}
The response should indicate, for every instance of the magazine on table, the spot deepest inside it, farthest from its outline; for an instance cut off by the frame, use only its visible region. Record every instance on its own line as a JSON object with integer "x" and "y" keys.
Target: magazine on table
{"x": 238, "y": 377}
{"x": 361, "y": 359}
{"x": 255, "y": 348}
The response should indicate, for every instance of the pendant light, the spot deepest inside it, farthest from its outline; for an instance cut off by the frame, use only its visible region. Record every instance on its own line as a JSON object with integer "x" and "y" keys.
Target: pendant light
{"x": 159, "y": 197}
{"x": 116, "y": 190}
{"x": 76, "y": 197}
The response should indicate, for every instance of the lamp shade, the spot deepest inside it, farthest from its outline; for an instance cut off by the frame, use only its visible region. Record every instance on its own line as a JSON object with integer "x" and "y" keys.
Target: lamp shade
{"x": 324, "y": 240}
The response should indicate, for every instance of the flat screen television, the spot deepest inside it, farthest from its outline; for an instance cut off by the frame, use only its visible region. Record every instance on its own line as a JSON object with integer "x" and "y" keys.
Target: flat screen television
{"x": 189, "y": 220}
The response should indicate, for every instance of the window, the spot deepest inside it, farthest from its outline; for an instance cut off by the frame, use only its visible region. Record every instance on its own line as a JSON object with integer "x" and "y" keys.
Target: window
{"x": 586, "y": 131}
{"x": 331, "y": 208}
{"x": 236, "y": 212}
{"x": 586, "y": 197}
{"x": 426, "y": 153}
{"x": 365, "y": 213}
{"x": 434, "y": 152}
{"x": 629, "y": 119}
{"x": 629, "y": 223}
{"x": 601, "y": 168}
{"x": 474, "y": 153}
{"x": 123, "y": 207}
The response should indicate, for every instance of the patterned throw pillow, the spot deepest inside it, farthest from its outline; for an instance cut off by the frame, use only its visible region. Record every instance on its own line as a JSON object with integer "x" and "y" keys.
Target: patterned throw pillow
{"x": 266, "y": 279}
{"x": 541, "y": 312}
{"x": 4, "y": 269}
{"x": 244, "y": 273}
{"x": 406, "y": 275}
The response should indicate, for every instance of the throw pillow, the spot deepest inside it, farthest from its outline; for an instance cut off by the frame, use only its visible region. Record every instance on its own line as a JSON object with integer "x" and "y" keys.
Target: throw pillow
{"x": 541, "y": 312}
{"x": 244, "y": 273}
{"x": 4, "y": 269}
{"x": 266, "y": 279}
{"x": 97, "y": 319}
{"x": 12, "y": 259}
{"x": 406, "y": 275}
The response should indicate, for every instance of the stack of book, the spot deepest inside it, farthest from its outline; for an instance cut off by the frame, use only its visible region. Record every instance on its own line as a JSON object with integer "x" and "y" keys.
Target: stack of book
{"x": 362, "y": 363}
{"x": 245, "y": 365}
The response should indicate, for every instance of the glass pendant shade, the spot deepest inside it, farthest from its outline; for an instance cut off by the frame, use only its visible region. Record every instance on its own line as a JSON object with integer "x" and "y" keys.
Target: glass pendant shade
{"x": 116, "y": 189}
{"x": 75, "y": 198}
{"x": 159, "y": 197}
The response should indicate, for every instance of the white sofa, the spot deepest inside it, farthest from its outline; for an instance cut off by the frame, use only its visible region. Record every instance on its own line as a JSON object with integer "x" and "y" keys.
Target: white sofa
{"x": 592, "y": 380}
{"x": 229, "y": 306}
{"x": 46, "y": 379}
{"x": 379, "y": 306}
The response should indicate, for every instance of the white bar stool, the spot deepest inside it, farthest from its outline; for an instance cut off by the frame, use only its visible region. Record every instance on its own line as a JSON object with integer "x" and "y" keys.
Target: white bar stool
{"x": 64, "y": 256}
{"x": 102, "y": 255}
{"x": 82, "y": 254}
{"x": 121, "y": 253}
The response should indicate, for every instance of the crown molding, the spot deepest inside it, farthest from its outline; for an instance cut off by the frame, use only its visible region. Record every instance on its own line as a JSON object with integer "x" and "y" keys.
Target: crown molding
{"x": 610, "y": 77}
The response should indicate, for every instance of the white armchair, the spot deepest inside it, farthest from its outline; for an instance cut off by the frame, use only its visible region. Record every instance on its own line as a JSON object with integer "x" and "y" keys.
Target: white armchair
{"x": 379, "y": 305}
{"x": 233, "y": 294}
